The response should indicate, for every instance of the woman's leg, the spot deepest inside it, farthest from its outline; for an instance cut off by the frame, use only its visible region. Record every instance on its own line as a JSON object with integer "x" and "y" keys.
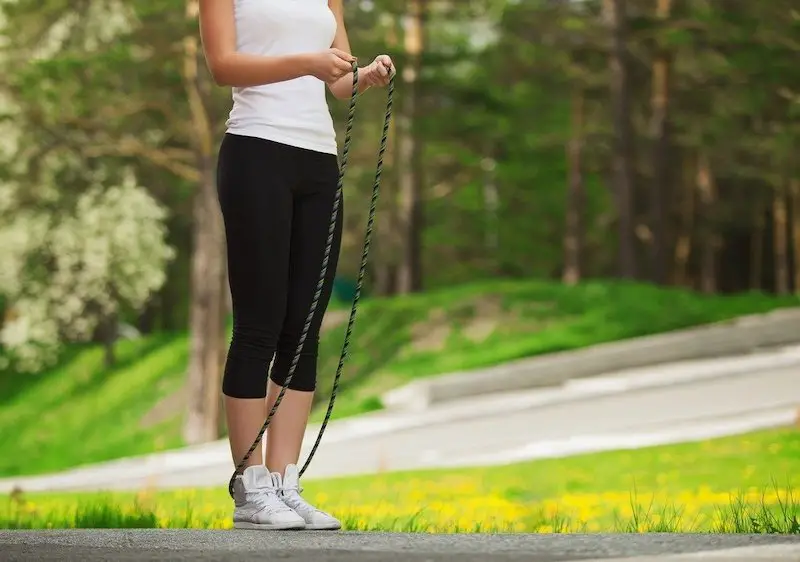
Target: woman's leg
{"x": 287, "y": 428}
{"x": 255, "y": 192}
{"x": 255, "y": 180}
{"x": 313, "y": 205}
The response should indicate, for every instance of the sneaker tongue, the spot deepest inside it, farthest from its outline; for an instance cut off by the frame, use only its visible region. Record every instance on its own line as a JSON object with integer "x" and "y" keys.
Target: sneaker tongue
{"x": 256, "y": 477}
{"x": 291, "y": 477}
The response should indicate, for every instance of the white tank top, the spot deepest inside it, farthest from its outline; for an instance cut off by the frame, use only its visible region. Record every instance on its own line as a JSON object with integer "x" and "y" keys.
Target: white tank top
{"x": 294, "y": 112}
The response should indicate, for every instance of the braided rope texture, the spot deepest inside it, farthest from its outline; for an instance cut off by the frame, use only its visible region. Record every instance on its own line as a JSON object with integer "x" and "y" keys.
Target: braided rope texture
{"x": 323, "y": 271}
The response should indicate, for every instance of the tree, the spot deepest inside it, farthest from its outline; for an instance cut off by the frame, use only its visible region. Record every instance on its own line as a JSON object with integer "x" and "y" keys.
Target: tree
{"x": 208, "y": 267}
{"x": 410, "y": 172}
{"x": 69, "y": 269}
{"x": 616, "y": 18}
{"x": 573, "y": 235}
{"x": 136, "y": 92}
{"x": 659, "y": 134}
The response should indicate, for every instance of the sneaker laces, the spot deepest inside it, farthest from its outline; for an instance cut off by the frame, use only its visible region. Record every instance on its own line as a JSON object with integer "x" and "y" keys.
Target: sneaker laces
{"x": 267, "y": 498}
{"x": 291, "y": 494}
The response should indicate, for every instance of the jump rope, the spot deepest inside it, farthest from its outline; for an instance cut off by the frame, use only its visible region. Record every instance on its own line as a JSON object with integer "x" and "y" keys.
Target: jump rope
{"x": 364, "y": 255}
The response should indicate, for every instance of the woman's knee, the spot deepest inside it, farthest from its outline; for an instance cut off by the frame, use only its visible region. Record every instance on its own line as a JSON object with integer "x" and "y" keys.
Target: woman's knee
{"x": 247, "y": 365}
{"x": 304, "y": 376}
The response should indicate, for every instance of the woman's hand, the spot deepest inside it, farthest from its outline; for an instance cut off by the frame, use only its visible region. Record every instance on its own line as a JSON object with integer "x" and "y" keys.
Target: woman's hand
{"x": 378, "y": 72}
{"x": 331, "y": 65}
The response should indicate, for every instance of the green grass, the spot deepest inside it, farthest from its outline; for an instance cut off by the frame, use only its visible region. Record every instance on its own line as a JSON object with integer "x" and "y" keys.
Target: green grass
{"x": 79, "y": 412}
{"x": 742, "y": 484}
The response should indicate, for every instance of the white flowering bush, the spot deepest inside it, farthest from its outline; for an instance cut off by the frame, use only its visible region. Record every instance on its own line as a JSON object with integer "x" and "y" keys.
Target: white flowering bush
{"x": 62, "y": 273}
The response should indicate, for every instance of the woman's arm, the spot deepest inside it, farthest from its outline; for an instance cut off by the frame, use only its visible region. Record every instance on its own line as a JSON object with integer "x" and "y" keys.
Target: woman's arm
{"x": 230, "y": 68}
{"x": 343, "y": 87}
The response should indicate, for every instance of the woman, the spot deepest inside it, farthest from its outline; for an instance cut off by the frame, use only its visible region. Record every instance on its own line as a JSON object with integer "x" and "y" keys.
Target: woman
{"x": 277, "y": 179}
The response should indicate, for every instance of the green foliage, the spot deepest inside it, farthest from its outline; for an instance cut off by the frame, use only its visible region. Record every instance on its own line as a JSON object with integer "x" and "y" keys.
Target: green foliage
{"x": 69, "y": 269}
{"x": 100, "y": 81}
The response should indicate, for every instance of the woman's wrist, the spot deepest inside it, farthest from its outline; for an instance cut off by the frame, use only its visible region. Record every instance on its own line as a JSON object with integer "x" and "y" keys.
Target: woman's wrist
{"x": 303, "y": 62}
{"x": 363, "y": 86}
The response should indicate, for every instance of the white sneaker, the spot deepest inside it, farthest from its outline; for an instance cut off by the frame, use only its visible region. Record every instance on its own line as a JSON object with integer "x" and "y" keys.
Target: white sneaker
{"x": 258, "y": 505}
{"x": 290, "y": 490}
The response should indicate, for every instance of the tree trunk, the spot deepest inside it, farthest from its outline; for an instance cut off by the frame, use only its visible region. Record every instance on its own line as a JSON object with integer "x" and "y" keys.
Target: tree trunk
{"x": 708, "y": 196}
{"x": 386, "y": 249}
{"x": 757, "y": 247}
{"x": 109, "y": 332}
{"x": 384, "y": 277}
{"x": 616, "y": 17}
{"x": 206, "y": 315}
{"x": 683, "y": 245}
{"x": 146, "y": 322}
{"x": 795, "y": 191}
{"x": 780, "y": 239}
{"x": 659, "y": 131}
{"x": 410, "y": 161}
{"x": 573, "y": 235}
{"x": 491, "y": 207}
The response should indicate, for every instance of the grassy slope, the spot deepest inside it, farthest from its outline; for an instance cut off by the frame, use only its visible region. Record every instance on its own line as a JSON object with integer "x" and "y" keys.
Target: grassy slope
{"x": 78, "y": 412}
{"x": 522, "y": 318}
{"x": 667, "y": 488}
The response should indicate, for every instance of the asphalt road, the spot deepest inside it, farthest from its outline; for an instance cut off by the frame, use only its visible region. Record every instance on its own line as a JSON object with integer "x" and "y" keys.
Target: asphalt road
{"x": 505, "y": 434}
{"x": 124, "y": 545}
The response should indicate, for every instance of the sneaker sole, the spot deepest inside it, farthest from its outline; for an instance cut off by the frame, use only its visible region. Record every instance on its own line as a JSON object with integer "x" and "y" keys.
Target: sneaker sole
{"x": 323, "y": 527}
{"x": 269, "y": 526}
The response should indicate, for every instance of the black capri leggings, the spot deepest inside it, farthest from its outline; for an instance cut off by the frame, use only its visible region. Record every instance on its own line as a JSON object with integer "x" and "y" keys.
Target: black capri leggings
{"x": 276, "y": 202}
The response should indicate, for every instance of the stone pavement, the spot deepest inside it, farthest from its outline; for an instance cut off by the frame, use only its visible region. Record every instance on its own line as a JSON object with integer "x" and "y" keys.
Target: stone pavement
{"x": 147, "y": 544}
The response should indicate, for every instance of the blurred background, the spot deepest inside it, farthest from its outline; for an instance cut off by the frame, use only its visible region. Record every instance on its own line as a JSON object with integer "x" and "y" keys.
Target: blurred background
{"x": 560, "y": 174}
